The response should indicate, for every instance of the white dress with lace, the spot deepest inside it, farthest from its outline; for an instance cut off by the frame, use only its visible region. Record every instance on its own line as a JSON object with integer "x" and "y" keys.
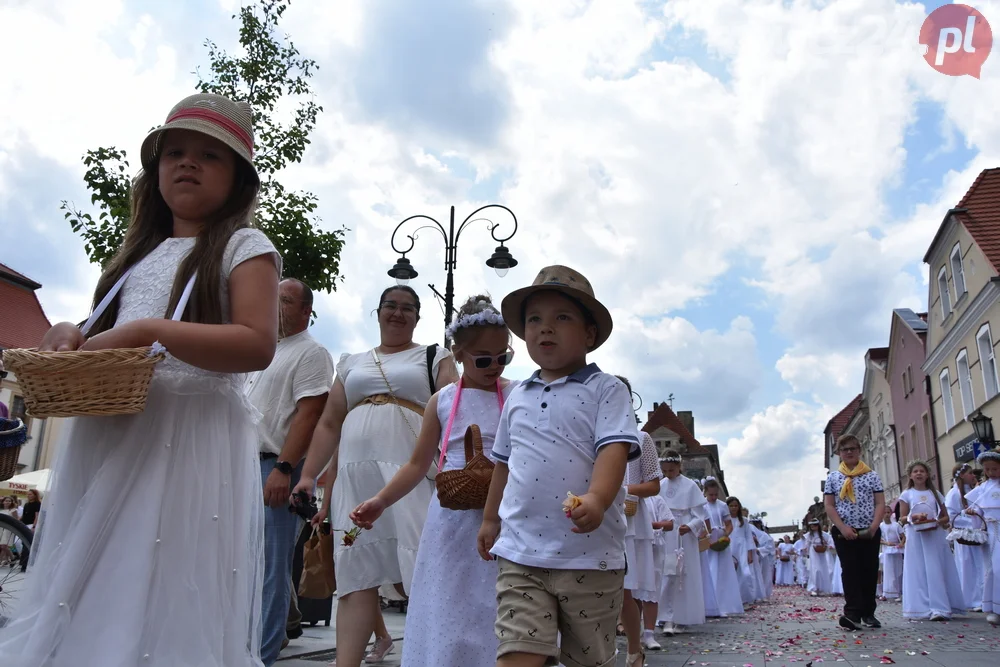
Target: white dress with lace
{"x": 453, "y": 605}
{"x": 149, "y": 550}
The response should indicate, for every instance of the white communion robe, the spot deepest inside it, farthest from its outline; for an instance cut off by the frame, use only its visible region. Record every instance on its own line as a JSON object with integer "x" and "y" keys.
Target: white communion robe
{"x": 820, "y": 565}
{"x": 765, "y": 545}
{"x": 681, "y": 598}
{"x": 970, "y": 561}
{"x": 986, "y": 498}
{"x": 720, "y": 584}
{"x": 785, "y": 568}
{"x": 801, "y": 562}
{"x": 892, "y": 560}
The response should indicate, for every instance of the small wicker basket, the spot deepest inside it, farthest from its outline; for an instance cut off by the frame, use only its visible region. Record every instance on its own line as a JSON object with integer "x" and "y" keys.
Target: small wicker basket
{"x": 631, "y": 507}
{"x": 820, "y": 548}
{"x": 466, "y": 489}
{"x": 784, "y": 559}
{"x": 721, "y": 545}
{"x": 73, "y": 384}
{"x": 13, "y": 434}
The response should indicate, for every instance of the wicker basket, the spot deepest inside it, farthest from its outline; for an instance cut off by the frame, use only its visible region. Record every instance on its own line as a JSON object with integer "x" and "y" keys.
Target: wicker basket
{"x": 820, "y": 548}
{"x": 466, "y": 489}
{"x": 72, "y": 384}
{"x": 631, "y": 507}
{"x": 704, "y": 544}
{"x": 971, "y": 537}
{"x": 721, "y": 545}
{"x": 785, "y": 559}
{"x": 13, "y": 434}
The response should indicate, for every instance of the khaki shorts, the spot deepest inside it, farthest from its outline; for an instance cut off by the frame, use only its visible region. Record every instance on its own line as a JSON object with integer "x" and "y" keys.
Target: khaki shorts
{"x": 535, "y": 605}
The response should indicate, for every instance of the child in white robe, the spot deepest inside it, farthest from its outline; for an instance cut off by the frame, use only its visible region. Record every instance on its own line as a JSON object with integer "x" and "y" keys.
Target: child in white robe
{"x": 931, "y": 589}
{"x": 969, "y": 560}
{"x": 785, "y": 568}
{"x": 820, "y": 567}
{"x": 985, "y": 500}
{"x": 719, "y": 582}
{"x": 682, "y": 601}
{"x": 893, "y": 539}
{"x": 801, "y": 561}
{"x": 743, "y": 549}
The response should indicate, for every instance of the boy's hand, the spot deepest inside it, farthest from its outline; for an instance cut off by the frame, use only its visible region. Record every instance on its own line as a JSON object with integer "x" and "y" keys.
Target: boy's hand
{"x": 63, "y": 337}
{"x": 588, "y": 515}
{"x": 668, "y": 525}
{"x": 684, "y": 529}
{"x": 487, "y": 537}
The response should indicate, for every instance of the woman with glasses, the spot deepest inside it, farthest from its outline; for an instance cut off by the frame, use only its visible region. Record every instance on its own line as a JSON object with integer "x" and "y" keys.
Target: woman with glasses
{"x": 367, "y": 433}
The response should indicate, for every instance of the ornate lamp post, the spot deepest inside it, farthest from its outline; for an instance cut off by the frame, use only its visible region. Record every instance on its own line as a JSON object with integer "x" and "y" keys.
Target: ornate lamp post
{"x": 636, "y": 408}
{"x": 501, "y": 260}
{"x": 983, "y": 426}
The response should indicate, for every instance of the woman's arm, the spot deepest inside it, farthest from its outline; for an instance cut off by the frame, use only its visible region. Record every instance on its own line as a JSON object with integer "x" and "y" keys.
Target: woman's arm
{"x": 447, "y": 373}
{"x": 645, "y": 489}
{"x": 904, "y": 512}
{"x": 326, "y": 438}
{"x": 241, "y": 347}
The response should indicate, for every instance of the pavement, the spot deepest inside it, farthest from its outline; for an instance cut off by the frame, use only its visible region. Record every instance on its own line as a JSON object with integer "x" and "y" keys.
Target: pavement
{"x": 790, "y": 629}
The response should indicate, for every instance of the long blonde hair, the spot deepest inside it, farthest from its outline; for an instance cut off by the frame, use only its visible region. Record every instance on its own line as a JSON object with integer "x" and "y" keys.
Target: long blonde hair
{"x": 151, "y": 222}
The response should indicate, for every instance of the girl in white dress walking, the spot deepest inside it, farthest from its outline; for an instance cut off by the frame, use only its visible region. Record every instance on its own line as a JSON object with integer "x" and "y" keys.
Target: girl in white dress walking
{"x": 785, "y": 567}
{"x": 453, "y": 603}
{"x": 150, "y": 550}
{"x": 985, "y": 501}
{"x": 931, "y": 589}
{"x": 893, "y": 541}
{"x": 820, "y": 543}
{"x": 969, "y": 560}
{"x": 719, "y": 583}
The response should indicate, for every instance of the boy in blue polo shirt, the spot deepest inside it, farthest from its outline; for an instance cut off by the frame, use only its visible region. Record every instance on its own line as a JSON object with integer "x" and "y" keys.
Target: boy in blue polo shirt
{"x": 568, "y": 430}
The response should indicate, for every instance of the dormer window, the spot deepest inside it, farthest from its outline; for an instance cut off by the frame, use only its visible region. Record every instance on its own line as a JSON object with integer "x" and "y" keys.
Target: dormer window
{"x": 943, "y": 294}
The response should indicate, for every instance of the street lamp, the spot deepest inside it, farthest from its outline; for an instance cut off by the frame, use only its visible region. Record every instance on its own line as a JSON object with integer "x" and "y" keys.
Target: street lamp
{"x": 983, "y": 426}
{"x": 501, "y": 260}
{"x": 636, "y": 408}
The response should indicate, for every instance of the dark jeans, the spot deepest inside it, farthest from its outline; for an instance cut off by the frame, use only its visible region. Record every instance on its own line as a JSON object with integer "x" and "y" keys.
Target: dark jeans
{"x": 859, "y": 567}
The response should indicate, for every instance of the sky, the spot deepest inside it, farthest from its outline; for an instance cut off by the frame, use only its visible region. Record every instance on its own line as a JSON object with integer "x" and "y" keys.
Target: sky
{"x": 749, "y": 185}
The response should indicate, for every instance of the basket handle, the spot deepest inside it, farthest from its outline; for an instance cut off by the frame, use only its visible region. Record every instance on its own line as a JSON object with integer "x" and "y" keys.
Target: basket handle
{"x": 473, "y": 442}
{"x": 113, "y": 292}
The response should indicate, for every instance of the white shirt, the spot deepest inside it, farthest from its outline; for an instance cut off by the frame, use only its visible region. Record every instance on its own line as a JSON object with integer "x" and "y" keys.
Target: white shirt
{"x": 301, "y": 368}
{"x": 549, "y": 438}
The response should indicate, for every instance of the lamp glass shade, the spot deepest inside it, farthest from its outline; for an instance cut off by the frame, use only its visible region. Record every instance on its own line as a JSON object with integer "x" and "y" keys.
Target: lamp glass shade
{"x": 983, "y": 426}
{"x": 402, "y": 271}
{"x": 501, "y": 261}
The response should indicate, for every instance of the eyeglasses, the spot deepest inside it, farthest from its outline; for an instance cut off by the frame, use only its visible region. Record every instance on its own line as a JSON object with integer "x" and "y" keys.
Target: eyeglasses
{"x": 847, "y": 450}
{"x": 406, "y": 308}
{"x": 501, "y": 359}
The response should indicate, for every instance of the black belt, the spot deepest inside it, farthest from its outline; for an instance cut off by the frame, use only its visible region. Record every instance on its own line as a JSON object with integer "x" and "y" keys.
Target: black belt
{"x": 264, "y": 456}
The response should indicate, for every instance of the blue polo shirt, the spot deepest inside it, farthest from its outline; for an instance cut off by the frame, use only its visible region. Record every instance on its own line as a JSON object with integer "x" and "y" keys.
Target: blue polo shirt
{"x": 549, "y": 437}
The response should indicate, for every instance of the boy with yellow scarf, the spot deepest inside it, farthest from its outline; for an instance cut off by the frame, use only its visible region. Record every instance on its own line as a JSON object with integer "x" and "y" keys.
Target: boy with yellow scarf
{"x": 854, "y": 502}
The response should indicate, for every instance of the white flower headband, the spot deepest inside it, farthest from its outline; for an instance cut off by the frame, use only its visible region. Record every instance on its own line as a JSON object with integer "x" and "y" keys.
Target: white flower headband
{"x": 671, "y": 458}
{"x": 487, "y": 316}
{"x": 989, "y": 455}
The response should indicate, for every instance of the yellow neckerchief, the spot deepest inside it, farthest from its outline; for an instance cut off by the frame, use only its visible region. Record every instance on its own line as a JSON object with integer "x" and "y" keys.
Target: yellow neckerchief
{"x": 847, "y": 490}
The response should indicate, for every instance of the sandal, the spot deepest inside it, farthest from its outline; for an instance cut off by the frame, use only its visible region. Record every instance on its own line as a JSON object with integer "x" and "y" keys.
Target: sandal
{"x": 635, "y": 659}
{"x": 382, "y": 647}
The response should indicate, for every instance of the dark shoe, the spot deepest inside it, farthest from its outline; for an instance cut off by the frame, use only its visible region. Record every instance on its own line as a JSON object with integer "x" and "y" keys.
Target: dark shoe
{"x": 294, "y": 633}
{"x": 871, "y": 622}
{"x": 849, "y": 624}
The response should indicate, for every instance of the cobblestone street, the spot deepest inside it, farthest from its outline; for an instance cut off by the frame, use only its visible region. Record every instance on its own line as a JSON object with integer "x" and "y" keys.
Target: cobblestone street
{"x": 795, "y": 628}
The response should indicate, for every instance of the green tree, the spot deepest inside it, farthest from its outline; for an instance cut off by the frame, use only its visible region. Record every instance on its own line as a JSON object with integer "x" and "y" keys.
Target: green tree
{"x": 271, "y": 70}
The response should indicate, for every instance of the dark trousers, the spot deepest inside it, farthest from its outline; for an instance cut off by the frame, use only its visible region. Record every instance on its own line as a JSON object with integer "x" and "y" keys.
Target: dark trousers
{"x": 859, "y": 567}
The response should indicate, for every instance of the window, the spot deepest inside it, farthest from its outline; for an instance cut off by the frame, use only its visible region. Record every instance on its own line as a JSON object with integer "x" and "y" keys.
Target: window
{"x": 986, "y": 360}
{"x": 943, "y": 293}
{"x": 957, "y": 272}
{"x": 881, "y": 423}
{"x": 946, "y": 401}
{"x": 965, "y": 383}
{"x": 902, "y": 442}
{"x": 909, "y": 379}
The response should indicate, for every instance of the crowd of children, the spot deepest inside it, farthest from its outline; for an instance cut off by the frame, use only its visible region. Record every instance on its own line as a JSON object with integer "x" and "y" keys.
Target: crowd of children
{"x": 586, "y": 530}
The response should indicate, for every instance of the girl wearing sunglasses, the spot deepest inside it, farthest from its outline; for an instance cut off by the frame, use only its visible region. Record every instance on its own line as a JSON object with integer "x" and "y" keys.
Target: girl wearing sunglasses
{"x": 452, "y": 606}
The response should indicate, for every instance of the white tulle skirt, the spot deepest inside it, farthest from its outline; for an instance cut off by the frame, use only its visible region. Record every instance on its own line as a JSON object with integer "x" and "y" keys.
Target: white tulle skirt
{"x": 149, "y": 550}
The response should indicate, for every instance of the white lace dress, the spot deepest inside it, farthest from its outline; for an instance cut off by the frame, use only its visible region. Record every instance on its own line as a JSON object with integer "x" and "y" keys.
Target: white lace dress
{"x": 375, "y": 443}
{"x": 150, "y": 542}
{"x": 453, "y": 604}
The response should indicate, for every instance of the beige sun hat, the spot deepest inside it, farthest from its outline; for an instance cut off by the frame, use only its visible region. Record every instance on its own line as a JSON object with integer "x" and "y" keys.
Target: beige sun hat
{"x": 217, "y": 116}
{"x": 566, "y": 281}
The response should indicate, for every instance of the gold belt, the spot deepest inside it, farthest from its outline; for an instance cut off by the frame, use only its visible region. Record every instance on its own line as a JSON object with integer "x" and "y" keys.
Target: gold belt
{"x": 385, "y": 399}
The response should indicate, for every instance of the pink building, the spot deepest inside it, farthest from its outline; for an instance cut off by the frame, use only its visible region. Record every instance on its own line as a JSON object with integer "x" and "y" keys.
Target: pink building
{"x": 911, "y": 407}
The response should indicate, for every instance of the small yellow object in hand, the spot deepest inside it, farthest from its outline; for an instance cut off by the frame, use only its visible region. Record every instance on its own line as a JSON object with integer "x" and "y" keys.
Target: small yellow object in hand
{"x": 571, "y": 503}
{"x": 351, "y": 535}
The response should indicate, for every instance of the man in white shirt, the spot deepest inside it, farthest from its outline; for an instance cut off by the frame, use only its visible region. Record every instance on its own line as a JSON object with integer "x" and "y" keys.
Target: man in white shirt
{"x": 290, "y": 394}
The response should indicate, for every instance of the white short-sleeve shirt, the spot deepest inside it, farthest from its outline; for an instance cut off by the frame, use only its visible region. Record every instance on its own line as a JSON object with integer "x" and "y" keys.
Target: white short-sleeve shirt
{"x": 301, "y": 368}
{"x": 549, "y": 437}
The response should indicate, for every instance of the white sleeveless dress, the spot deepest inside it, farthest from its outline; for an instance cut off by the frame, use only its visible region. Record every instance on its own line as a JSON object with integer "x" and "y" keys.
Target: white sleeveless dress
{"x": 375, "y": 442}
{"x": 149, "y": 550}
{"x": 720, "y": 586}
{"x": 970, "y": 561}
{"x": 930, "y": 578}
{"x": 453, "y": 604}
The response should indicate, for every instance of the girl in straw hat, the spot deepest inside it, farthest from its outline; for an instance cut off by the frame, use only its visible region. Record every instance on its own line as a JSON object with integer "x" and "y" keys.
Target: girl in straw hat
{"x": 150, "y": 551}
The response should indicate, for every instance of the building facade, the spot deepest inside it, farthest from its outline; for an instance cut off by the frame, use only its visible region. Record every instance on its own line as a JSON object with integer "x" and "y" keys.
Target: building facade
{"x": 908, "y": 388}
{"x": 963, "y": 320}
{"x": 880, "y": 450}
{"x": 670, "y": 430}
{"x": 23, "y": 324}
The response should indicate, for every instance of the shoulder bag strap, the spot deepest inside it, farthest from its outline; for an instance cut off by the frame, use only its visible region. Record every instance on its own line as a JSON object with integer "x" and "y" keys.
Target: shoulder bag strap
{"x": 431, "y": 351}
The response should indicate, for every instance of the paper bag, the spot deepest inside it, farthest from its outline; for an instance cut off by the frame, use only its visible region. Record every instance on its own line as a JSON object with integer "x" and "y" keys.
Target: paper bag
{"x": 318, "y": 580}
